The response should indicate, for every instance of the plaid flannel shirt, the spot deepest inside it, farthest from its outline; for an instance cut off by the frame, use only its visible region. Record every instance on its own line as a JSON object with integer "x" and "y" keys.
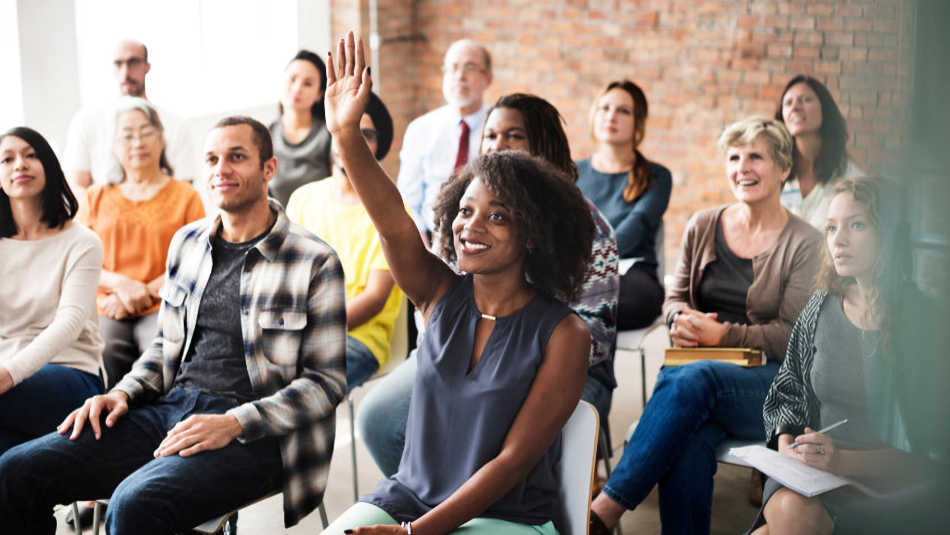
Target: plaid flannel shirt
{"x": 293, "y": 322}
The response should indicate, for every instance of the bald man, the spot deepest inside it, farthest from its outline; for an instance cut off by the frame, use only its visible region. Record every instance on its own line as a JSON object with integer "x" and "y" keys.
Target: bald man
{"x": 443, "y": 139}
{"x": 88, "y": 158}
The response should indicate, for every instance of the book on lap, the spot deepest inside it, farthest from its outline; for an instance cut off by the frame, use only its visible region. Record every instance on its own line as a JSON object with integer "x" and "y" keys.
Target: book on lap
{"x": 678, "y": 356}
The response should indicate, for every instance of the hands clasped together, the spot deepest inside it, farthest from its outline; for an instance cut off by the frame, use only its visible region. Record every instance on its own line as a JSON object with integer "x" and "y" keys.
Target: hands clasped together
{"x": 692, "y": 328}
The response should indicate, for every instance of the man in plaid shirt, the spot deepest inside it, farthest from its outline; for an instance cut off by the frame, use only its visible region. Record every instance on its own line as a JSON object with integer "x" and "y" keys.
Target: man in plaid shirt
{"x": 234, "y": 399}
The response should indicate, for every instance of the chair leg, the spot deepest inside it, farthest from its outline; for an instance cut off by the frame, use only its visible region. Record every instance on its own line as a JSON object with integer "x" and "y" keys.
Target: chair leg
{"x": 323, "y": 516}
{"x": 605, "y": 451}
{"x": 76, "y": 527}
{"x": 349, "y": 403}
{"x": 96, "y": 517}
{"x": 643, "y": 376}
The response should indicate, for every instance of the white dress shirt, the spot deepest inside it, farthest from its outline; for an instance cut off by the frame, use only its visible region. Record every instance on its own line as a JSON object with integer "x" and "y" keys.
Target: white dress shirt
{"x": 427, "y": 158}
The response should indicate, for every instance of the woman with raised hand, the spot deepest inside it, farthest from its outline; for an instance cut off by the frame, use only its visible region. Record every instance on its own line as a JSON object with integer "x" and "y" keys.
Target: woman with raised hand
{"x": 301, "y": 138}
{"x": 844, "y": 357}
{"x": 49, "y": 341}
{"x": 531, "y": 124}
{"x": 632, "y": 191}
{"x": 501, "y": 353}
{"x": 810, "y": 114}
{"x": 136, "y": 219}
{"x": 744, "y": 273}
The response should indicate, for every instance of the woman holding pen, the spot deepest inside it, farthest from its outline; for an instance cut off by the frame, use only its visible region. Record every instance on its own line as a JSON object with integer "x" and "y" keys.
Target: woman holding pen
{"x": 503, "y": 360}
{"x": 840, "y": 367}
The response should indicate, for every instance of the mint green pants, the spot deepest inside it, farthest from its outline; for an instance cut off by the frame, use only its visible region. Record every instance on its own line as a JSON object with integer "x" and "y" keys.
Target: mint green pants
{"x": 365, "y": 514}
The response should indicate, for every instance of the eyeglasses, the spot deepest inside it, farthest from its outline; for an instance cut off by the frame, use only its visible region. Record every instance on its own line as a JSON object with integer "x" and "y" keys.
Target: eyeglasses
{"x": 369, "y": 134}
{"x": 143, "y": 135}
{"x": 130, "y": 63}
{"x": 466, "y": 68}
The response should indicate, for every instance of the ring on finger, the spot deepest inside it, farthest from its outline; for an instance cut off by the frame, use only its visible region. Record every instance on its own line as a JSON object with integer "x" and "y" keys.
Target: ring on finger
{"x": 821, "y": 450}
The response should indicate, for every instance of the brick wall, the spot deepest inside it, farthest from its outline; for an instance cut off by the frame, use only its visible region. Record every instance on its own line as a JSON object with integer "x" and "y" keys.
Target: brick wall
{"x": 702, "y": 64}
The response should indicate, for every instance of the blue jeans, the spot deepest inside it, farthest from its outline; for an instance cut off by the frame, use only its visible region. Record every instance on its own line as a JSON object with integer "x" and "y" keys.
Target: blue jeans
{"x": 692, "y": 410}
{"x": 361, "y": 363}
{"x": 148, "y": 495}
{"x": 41, "y": 402}
{"x": 383, "y": 413}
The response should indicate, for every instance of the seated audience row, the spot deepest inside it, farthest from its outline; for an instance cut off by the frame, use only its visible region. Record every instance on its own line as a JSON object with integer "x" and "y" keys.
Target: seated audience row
{"x": 246, "y": 363}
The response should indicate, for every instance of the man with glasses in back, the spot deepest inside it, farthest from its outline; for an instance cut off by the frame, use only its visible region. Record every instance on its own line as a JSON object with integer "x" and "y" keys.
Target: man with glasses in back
{"x": 88, "y": 157}
{"x": 444, "y": 139}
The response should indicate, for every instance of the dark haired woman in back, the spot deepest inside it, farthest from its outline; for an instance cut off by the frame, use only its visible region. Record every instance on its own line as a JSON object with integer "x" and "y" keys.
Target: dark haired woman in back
{"x": 301, "y": 139}
{"x": 810, "y": 114}
{"x": 49, "y": 340}
{"x": 632, "y": 192}
{"x": 502, "y": 363}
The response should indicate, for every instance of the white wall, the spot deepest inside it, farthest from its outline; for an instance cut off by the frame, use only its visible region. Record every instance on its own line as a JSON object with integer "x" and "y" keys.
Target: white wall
{"x": 209, "y": 57}
{"x": 11, "y": 90}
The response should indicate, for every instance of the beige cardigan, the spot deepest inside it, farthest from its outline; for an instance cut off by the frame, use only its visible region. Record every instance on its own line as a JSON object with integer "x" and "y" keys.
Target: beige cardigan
{"x": 783, "y": 278}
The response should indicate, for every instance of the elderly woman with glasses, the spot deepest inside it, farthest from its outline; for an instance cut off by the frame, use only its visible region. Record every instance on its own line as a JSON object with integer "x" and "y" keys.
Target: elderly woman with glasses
{"x": 745, "y": 272}
{"x": 135, "y": 219}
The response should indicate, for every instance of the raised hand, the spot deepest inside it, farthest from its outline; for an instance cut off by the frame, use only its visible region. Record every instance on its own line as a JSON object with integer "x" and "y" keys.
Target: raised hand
{"x": 348, "y": 86}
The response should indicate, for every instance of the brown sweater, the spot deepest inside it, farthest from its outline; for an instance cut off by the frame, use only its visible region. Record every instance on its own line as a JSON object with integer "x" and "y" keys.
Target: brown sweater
{"x": 784, "y": 276}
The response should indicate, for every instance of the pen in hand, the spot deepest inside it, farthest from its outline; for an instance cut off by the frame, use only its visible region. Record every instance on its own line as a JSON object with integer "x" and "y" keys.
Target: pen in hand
{"x": 835, "y": 425}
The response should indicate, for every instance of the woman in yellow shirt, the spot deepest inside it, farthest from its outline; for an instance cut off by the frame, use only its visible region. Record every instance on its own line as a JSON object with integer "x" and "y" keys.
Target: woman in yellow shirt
{"x": 331, "y": 210}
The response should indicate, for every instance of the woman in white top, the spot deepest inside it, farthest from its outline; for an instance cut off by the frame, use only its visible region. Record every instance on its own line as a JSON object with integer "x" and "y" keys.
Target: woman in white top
{"x": 810, "y": 114}
{"x": 49, "y": 340}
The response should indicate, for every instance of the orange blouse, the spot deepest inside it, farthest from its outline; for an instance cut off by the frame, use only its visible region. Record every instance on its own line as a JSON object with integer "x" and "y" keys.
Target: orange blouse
{"x": 136, "y": 234}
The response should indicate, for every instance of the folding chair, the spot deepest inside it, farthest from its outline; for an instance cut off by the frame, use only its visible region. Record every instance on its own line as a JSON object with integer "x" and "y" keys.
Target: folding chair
{"x": 576, "y": 468}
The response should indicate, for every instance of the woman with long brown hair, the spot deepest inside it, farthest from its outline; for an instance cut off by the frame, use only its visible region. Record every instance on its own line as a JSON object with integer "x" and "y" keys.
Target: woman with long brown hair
{"x": 847, "y": 360}
{"x": 632, "y": 192}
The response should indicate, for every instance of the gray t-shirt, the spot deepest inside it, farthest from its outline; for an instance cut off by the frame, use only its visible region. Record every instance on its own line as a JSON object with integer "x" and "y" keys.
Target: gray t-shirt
{"x": 215, "y": 362}
{"x": 299, "y": 163}
{"x": 837, "y": 375}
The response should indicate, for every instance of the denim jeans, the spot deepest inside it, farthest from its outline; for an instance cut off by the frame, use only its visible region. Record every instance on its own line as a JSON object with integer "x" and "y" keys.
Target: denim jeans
{"x": 692, "y": 410}
{"x": 383, "y": 413}
{"x": 361, "y": 363}
{"x": 41, "y": 402}
{"x": 148, "y": 495}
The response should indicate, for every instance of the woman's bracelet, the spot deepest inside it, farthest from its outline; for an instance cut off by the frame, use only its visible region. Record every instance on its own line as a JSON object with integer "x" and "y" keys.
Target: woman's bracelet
{"x": 407, "y": 526}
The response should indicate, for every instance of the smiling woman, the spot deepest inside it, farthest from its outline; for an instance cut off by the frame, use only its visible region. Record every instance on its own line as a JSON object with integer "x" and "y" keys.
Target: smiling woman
{"x": 49, "y": 342}
{"x": 501, "y": 351}
{"x": 744, "y": 274}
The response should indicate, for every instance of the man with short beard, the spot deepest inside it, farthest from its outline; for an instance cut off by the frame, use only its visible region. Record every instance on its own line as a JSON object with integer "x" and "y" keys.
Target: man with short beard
{"x": 88, "y": 158}
{"x": 236, "y": 396}
{"x": 444, "y": 139}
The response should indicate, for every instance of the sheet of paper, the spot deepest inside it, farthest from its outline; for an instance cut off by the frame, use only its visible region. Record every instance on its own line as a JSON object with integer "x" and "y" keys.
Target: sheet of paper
{"x": 792, "y": 473}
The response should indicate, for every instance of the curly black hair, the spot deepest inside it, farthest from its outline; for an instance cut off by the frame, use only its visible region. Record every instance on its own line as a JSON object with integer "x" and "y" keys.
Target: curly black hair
{"x": 550, "y": 213}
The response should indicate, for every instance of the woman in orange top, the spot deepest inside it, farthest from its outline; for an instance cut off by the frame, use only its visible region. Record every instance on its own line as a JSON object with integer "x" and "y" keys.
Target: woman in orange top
{"x": 136, "y": 219}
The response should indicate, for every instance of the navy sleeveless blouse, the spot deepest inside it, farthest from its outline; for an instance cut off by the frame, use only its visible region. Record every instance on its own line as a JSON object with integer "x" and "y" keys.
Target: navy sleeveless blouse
{"x": 458, "y": 419}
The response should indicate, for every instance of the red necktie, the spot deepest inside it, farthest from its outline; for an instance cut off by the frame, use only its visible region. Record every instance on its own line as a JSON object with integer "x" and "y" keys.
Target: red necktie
{"x": 462, "y": 157}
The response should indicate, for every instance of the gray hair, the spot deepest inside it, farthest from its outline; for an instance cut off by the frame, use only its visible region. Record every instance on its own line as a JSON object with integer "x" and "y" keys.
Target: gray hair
{"x": 130, "y": 103}
{"x": 486, "y": 55}
{"x": 780, "y": 142}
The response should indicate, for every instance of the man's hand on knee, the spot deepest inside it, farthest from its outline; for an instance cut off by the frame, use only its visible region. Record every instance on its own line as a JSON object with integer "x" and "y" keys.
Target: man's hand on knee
{"x": 115, "y": 404}
{"x": 200, "y": 432}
